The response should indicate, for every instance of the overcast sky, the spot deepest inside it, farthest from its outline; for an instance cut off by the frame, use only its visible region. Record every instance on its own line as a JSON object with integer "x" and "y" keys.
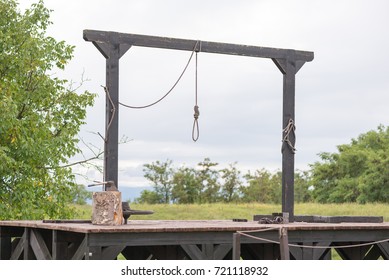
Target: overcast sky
{"x": 342, "y": 93}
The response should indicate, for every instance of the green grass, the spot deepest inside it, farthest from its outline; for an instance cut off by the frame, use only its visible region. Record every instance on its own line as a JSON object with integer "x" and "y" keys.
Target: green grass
{"x": 222, "y": 211}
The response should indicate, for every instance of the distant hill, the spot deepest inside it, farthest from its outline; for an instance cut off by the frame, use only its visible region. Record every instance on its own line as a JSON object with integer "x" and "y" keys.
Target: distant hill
{"x": 128, "y": 193}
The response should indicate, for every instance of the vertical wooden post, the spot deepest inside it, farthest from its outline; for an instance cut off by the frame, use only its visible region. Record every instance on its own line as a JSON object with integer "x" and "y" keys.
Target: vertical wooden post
{"x": 288, "y": 67}
{"x": 236, "y": 246}
{"x": 287, "y": 152}
{"x": 111, "y": 154}
{"x": 284, "y": 244}
{"x": 112, "y": 51}
{"x": 5, "y": 244}
{"x": 27, "y": 250}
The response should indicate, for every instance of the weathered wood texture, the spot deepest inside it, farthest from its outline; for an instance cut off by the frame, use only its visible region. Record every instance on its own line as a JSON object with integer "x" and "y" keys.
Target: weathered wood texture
{"x": 190, "y": 240}
{"x": 107, "y": 208}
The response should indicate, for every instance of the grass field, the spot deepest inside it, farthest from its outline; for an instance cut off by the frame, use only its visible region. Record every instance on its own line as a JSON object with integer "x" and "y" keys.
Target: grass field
{"x": 221, "y": 211}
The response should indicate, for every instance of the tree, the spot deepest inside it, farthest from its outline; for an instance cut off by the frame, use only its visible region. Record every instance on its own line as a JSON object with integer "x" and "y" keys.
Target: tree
{"x": 185, "y": 186}
{"x": 150, "y": 197}
{"x": 302, "y": 185}
{"x": 40, "y": 117}
{"x": 161, "y": 174}
{"x": 208, "y": 185}
{"x": 231, "y": 183}
{"x": 358, "y": 172}
{"x": 262, "y": 187}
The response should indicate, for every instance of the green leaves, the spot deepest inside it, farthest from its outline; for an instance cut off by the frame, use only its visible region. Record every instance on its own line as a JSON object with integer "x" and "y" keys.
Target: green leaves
{"x": 206, "y": 184}
{"x": 359, "y": 172}
{"x": 40, "y": 117}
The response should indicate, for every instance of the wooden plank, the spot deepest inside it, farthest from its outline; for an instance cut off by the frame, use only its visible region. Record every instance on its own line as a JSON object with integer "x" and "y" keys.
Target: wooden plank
{"x": 189, "y": 45}
{"x": 378, "y": 230}
{"x": 38, "y": 246}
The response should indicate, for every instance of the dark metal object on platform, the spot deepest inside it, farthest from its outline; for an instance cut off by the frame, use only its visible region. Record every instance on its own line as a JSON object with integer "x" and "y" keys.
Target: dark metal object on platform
{"x": 113, "y": 45}
{"x": 240, "y": 220}
{"x": 67, "y": 221}
{"x": 275, "y": 218}
{"x": 127, "y": 211}
{"x": 325, "y": 219}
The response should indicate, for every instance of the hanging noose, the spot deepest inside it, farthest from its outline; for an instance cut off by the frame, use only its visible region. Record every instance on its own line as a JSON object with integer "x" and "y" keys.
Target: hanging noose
{"x": 196, "y": 129}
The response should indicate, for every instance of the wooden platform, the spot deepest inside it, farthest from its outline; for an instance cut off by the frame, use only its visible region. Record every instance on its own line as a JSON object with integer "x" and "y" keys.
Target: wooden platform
{"x": 210, "y": 239}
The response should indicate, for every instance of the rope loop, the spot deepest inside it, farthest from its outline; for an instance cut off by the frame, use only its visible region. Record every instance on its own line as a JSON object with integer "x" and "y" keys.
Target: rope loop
{"x": 196, "y": 129}
{"x": 290, "y": 128}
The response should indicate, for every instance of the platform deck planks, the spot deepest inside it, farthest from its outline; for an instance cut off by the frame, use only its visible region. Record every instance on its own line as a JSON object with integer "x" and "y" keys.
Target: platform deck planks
{"x": 189, "y": 239}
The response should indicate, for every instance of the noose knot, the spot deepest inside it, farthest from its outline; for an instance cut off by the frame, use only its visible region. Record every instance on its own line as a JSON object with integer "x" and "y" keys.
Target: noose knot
{"x": 196, "y": 112}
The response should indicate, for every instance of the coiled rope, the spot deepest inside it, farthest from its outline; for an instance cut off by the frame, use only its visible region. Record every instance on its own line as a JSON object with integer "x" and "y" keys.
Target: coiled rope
{"x": 290, "y": 128}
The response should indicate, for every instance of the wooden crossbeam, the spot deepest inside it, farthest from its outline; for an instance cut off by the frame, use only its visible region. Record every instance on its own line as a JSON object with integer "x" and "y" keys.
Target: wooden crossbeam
{"x": 189, "y": 45}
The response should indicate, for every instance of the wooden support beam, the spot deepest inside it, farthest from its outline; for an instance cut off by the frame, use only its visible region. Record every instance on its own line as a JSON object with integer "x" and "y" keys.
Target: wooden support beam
{"x": 353, "y": 253}
{"x": 322, "y": 253}
{"x": 27, "y": 251}
{"x": 221, "y": 251}
{"x": 236, "y": 246}
{"x": 193, "y": 252}
{"x": 284, "y": 244}
{"x": 374, "y": 253}
{"x": 81, "y": 250}
{"x": 111, "y": 252}
{"x": 207, "y": 251}
{"x": 384, "y": 247}
{"x": 38, "y": 246}
{"x": 18, "y": 249}
{"x": 60, "y": 248}
{"x": 189, "y": 45}
{"x": 5, "y": 244}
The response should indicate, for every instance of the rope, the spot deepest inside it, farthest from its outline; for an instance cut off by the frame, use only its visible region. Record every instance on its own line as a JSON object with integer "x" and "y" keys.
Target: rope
{"x": 244, "y": 233}
{"x": 196, "y": 129}
{"x": 290, "y": 128}
{"x": 113, "y": 110}
{"x": 171, "y": 89}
